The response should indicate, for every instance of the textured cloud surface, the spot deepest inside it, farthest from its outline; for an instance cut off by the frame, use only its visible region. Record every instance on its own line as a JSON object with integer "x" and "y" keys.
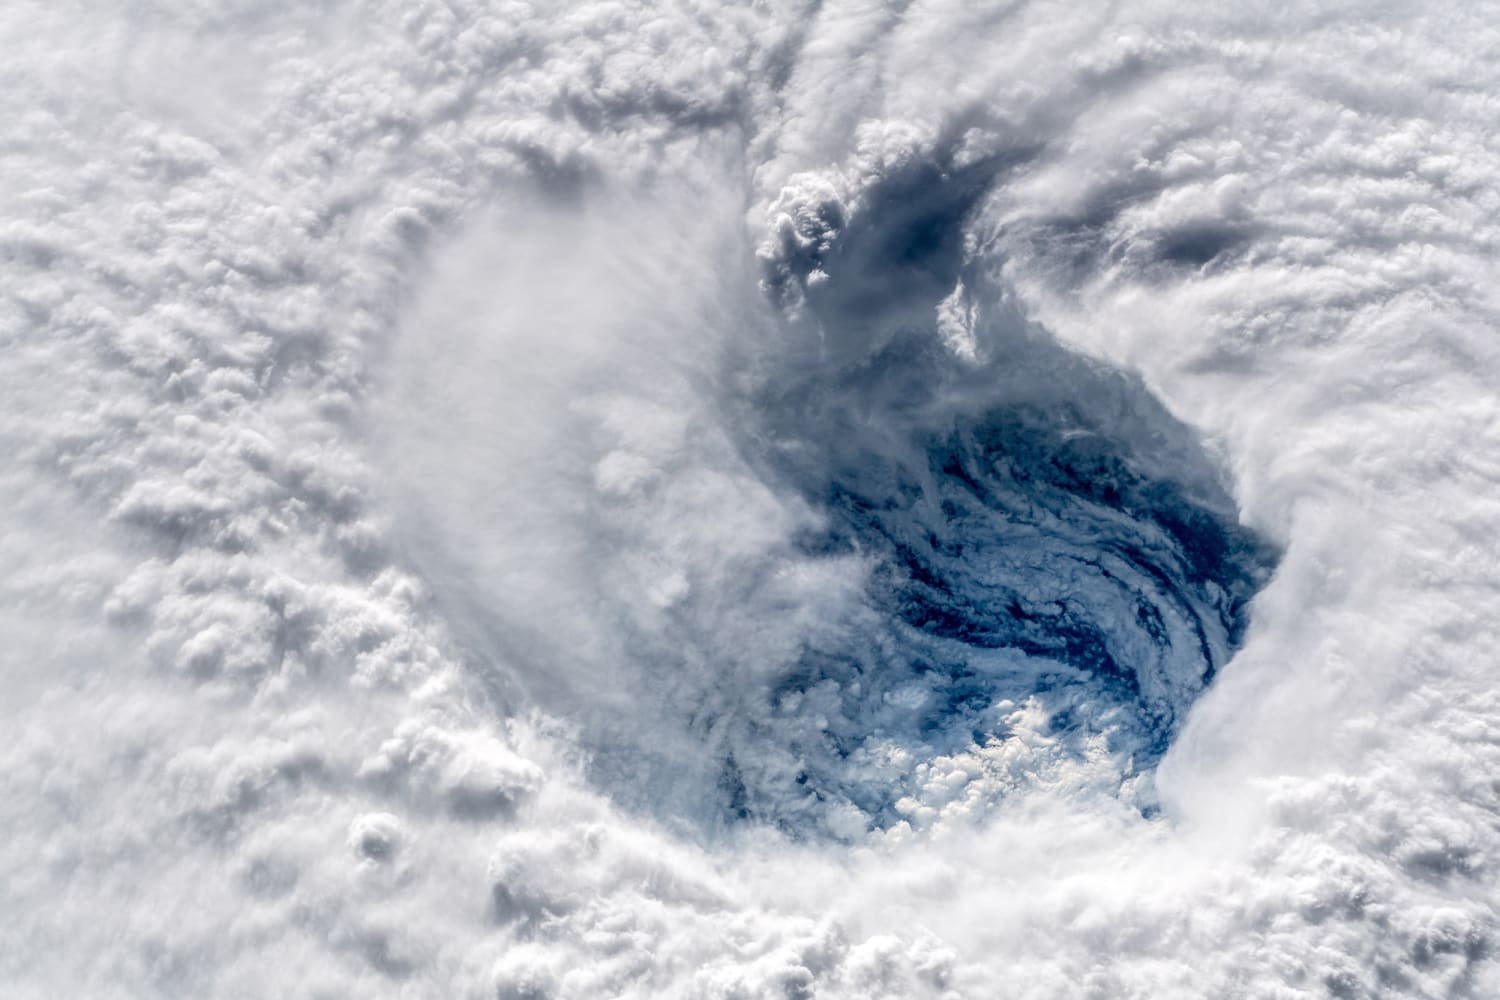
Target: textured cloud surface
{"x": 794, "y": 500}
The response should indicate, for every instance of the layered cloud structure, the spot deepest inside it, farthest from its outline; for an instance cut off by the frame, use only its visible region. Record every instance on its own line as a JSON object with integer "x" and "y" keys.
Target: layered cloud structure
{"x": 841, "y": 500}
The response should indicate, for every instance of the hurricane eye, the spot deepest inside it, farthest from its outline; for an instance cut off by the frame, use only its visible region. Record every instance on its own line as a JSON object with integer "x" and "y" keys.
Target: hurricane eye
{"x": 1047, "y": 591}
{"x": 1054, "y": 567}
{"x": 1023, "y": 558}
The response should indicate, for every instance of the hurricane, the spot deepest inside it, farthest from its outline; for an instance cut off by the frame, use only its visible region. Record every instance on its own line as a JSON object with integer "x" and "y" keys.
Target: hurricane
{"x": 545, "y": 501}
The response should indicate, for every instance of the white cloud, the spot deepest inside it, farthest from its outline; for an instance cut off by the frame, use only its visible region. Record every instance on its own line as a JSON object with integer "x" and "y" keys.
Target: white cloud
{"x": 399, "y": 535}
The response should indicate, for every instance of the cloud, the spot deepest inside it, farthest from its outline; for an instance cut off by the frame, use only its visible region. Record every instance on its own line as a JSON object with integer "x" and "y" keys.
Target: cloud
{"x": 420, "y": 420}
